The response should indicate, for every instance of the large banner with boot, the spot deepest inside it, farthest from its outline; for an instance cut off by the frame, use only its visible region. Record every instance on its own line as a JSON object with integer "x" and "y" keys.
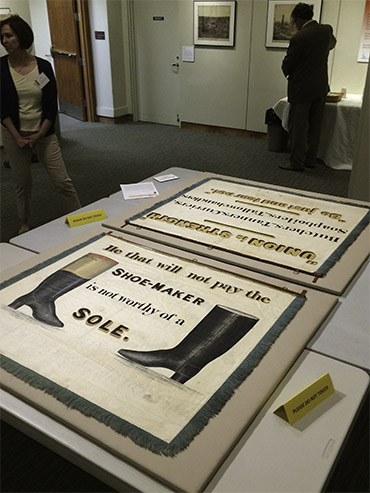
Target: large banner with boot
{"x": 285, "y": 228}
{"x": 150, "y": 344}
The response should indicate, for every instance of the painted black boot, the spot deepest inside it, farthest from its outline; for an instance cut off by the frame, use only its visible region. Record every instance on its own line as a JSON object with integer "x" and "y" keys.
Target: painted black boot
{"x": 42, "y": 299}
{"x": 215, "y": 334}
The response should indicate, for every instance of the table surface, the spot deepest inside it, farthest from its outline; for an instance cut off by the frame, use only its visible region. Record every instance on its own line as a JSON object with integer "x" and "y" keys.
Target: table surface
{"x": 339, "y": 129}
{"x": 259, "y": 461}
{"x": 51, "y": 234}
{"x": 312, "y": 444}
{"x": 11, "y": 255}
{"x": 345, "y": 334}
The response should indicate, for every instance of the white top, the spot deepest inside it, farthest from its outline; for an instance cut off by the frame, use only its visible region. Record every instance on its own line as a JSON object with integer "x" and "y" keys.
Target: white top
{"x": 29, "y": 99}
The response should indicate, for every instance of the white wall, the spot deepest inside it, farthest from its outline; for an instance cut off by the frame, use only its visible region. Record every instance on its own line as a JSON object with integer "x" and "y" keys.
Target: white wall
{"x": 109, "y": 57}
{"x": 19, "y": 7}
{"x": 228, "y": 87}
{"x": 347, "y": 72}
{"x": 117, "y": 57}
{"x": 359, "y": 186}
{"x": 266, "y": 82}
{"x": 224, "y": 83}
{"x": 40, "y": 26}
{"x": 213, "y": 89}
{"x": 101, "y": 58}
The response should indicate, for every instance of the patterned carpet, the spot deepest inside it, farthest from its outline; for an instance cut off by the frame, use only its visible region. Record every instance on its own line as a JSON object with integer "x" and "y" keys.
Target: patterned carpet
{"x": 99, "y": 157}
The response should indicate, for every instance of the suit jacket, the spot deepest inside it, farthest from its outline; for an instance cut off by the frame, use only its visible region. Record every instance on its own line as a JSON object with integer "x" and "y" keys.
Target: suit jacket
{"x": 306, "y": 62}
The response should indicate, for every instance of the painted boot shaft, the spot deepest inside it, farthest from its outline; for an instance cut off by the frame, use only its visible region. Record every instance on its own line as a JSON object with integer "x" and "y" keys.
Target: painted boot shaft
{"x": 42, "y": 299}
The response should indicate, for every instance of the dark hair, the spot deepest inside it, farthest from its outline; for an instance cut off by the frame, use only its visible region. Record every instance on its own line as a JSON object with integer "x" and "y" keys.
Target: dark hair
{"x": 302, "y": 11}
{"x": 21, "y": 29}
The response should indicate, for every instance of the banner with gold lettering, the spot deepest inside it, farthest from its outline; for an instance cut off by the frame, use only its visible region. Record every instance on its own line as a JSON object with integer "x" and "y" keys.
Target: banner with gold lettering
{"x": 289, "y": 229}
{"x": 150, "y": 344}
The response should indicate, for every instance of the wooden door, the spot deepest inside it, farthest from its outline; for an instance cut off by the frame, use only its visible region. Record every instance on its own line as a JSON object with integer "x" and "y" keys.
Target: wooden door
{"x": 63, "y": 18}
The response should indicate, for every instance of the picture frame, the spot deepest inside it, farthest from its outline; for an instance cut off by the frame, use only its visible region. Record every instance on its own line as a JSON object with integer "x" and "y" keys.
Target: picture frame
{"x": 4, "y": 13}
{"x": 279, "y": 29}
{"x": 214, "y": 23}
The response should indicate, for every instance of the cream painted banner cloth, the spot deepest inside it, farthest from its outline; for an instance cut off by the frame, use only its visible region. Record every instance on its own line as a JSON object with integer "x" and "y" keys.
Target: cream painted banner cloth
{"x": 285, "y": 228}
{"x": 150, "y": 344}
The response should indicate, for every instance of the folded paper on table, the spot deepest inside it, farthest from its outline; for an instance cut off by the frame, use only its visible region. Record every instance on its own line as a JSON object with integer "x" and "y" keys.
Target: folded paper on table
{"x": 139, "y": 190}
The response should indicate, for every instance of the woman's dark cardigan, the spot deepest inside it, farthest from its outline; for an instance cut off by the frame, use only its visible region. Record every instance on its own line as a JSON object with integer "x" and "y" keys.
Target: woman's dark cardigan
{"x": 9, "y": 96}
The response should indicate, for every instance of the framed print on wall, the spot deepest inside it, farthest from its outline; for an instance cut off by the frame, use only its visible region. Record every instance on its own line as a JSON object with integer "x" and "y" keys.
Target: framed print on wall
{"x": 4, "y": 13}
{"x": 279, "y": 29}
{"x": 214, "y": 23}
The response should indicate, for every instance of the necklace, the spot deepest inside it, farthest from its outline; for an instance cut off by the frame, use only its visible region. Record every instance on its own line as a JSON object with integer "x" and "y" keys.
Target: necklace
{"x": 24, "y": 66}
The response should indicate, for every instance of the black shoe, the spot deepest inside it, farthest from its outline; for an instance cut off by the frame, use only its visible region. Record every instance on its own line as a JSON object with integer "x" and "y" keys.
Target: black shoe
{"x": 310, "y": 164}
{"x": 291, "y": 166}
{"x": 6, "y": 164}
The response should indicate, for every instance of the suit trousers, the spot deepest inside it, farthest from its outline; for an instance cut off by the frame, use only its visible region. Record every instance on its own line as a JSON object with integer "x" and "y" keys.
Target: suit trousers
{"x": 50, "y": 155}
{"x": 304, "y": 127}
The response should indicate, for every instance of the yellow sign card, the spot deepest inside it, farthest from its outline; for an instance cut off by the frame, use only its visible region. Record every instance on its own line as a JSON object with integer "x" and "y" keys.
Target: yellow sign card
{"x": 86, "y": 218}
{"x": 302, "y": 403}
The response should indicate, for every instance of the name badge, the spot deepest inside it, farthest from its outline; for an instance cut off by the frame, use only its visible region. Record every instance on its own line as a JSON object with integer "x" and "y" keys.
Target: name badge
{"x": 41, "y": 80}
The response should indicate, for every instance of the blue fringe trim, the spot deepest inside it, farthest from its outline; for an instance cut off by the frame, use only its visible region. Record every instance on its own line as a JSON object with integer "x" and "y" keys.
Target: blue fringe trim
{"x": 87, "y": 408}
{"x": 136, "y": 434}
{"x": 334, "y": 257}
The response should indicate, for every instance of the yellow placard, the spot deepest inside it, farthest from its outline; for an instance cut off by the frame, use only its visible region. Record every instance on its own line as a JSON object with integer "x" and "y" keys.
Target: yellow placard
{"x": 86, "y": 218}
{"x": 302, "y": 403}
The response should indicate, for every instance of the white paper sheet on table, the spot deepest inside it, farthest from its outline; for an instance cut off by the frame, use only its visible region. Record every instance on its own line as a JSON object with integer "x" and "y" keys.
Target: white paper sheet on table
{"x": 139, "y": 190}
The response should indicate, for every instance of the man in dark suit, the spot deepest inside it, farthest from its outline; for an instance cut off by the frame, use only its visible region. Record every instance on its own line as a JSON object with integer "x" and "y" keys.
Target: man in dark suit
{"x": 306, "y": 67}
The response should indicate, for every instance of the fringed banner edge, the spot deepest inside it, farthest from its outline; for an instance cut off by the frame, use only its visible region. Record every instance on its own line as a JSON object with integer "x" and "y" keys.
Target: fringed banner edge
{"x": 195, "y": 425}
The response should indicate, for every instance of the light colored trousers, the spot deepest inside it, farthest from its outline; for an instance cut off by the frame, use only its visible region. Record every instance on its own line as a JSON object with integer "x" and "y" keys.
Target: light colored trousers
{"x": 50, "y": 155}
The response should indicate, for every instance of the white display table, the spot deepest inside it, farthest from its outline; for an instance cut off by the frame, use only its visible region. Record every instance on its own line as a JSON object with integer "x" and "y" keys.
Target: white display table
{"x": 51, "y": 234}
{"x": 271, "y": 456}
{"x": 346, "y": 333}
{"x": 54, "y": 232}
{"x": 339, "y": 130}
{"x": 11, "y": 255}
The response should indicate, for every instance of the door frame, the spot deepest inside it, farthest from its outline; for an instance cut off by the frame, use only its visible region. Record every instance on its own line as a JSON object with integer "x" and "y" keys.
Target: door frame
{"x": 82, "y": 20}
{"x": 86, "y": 54}
{"x": 132, "y": 60}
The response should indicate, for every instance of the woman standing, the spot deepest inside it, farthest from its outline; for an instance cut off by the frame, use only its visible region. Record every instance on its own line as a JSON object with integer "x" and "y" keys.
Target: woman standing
{"x": 28, "y": 112}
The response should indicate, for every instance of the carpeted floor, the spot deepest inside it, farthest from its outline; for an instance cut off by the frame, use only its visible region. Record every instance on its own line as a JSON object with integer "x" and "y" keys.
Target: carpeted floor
{"x": 100, "y": 157}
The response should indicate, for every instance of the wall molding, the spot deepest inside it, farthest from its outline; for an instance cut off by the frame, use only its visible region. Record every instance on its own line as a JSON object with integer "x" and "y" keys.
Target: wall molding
{"x": 224, "y": 130}
{"x": 115, "y": 119}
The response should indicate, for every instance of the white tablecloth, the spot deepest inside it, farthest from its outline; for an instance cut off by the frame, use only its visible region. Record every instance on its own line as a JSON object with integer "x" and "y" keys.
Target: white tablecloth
{"x": 339, "y": 130}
